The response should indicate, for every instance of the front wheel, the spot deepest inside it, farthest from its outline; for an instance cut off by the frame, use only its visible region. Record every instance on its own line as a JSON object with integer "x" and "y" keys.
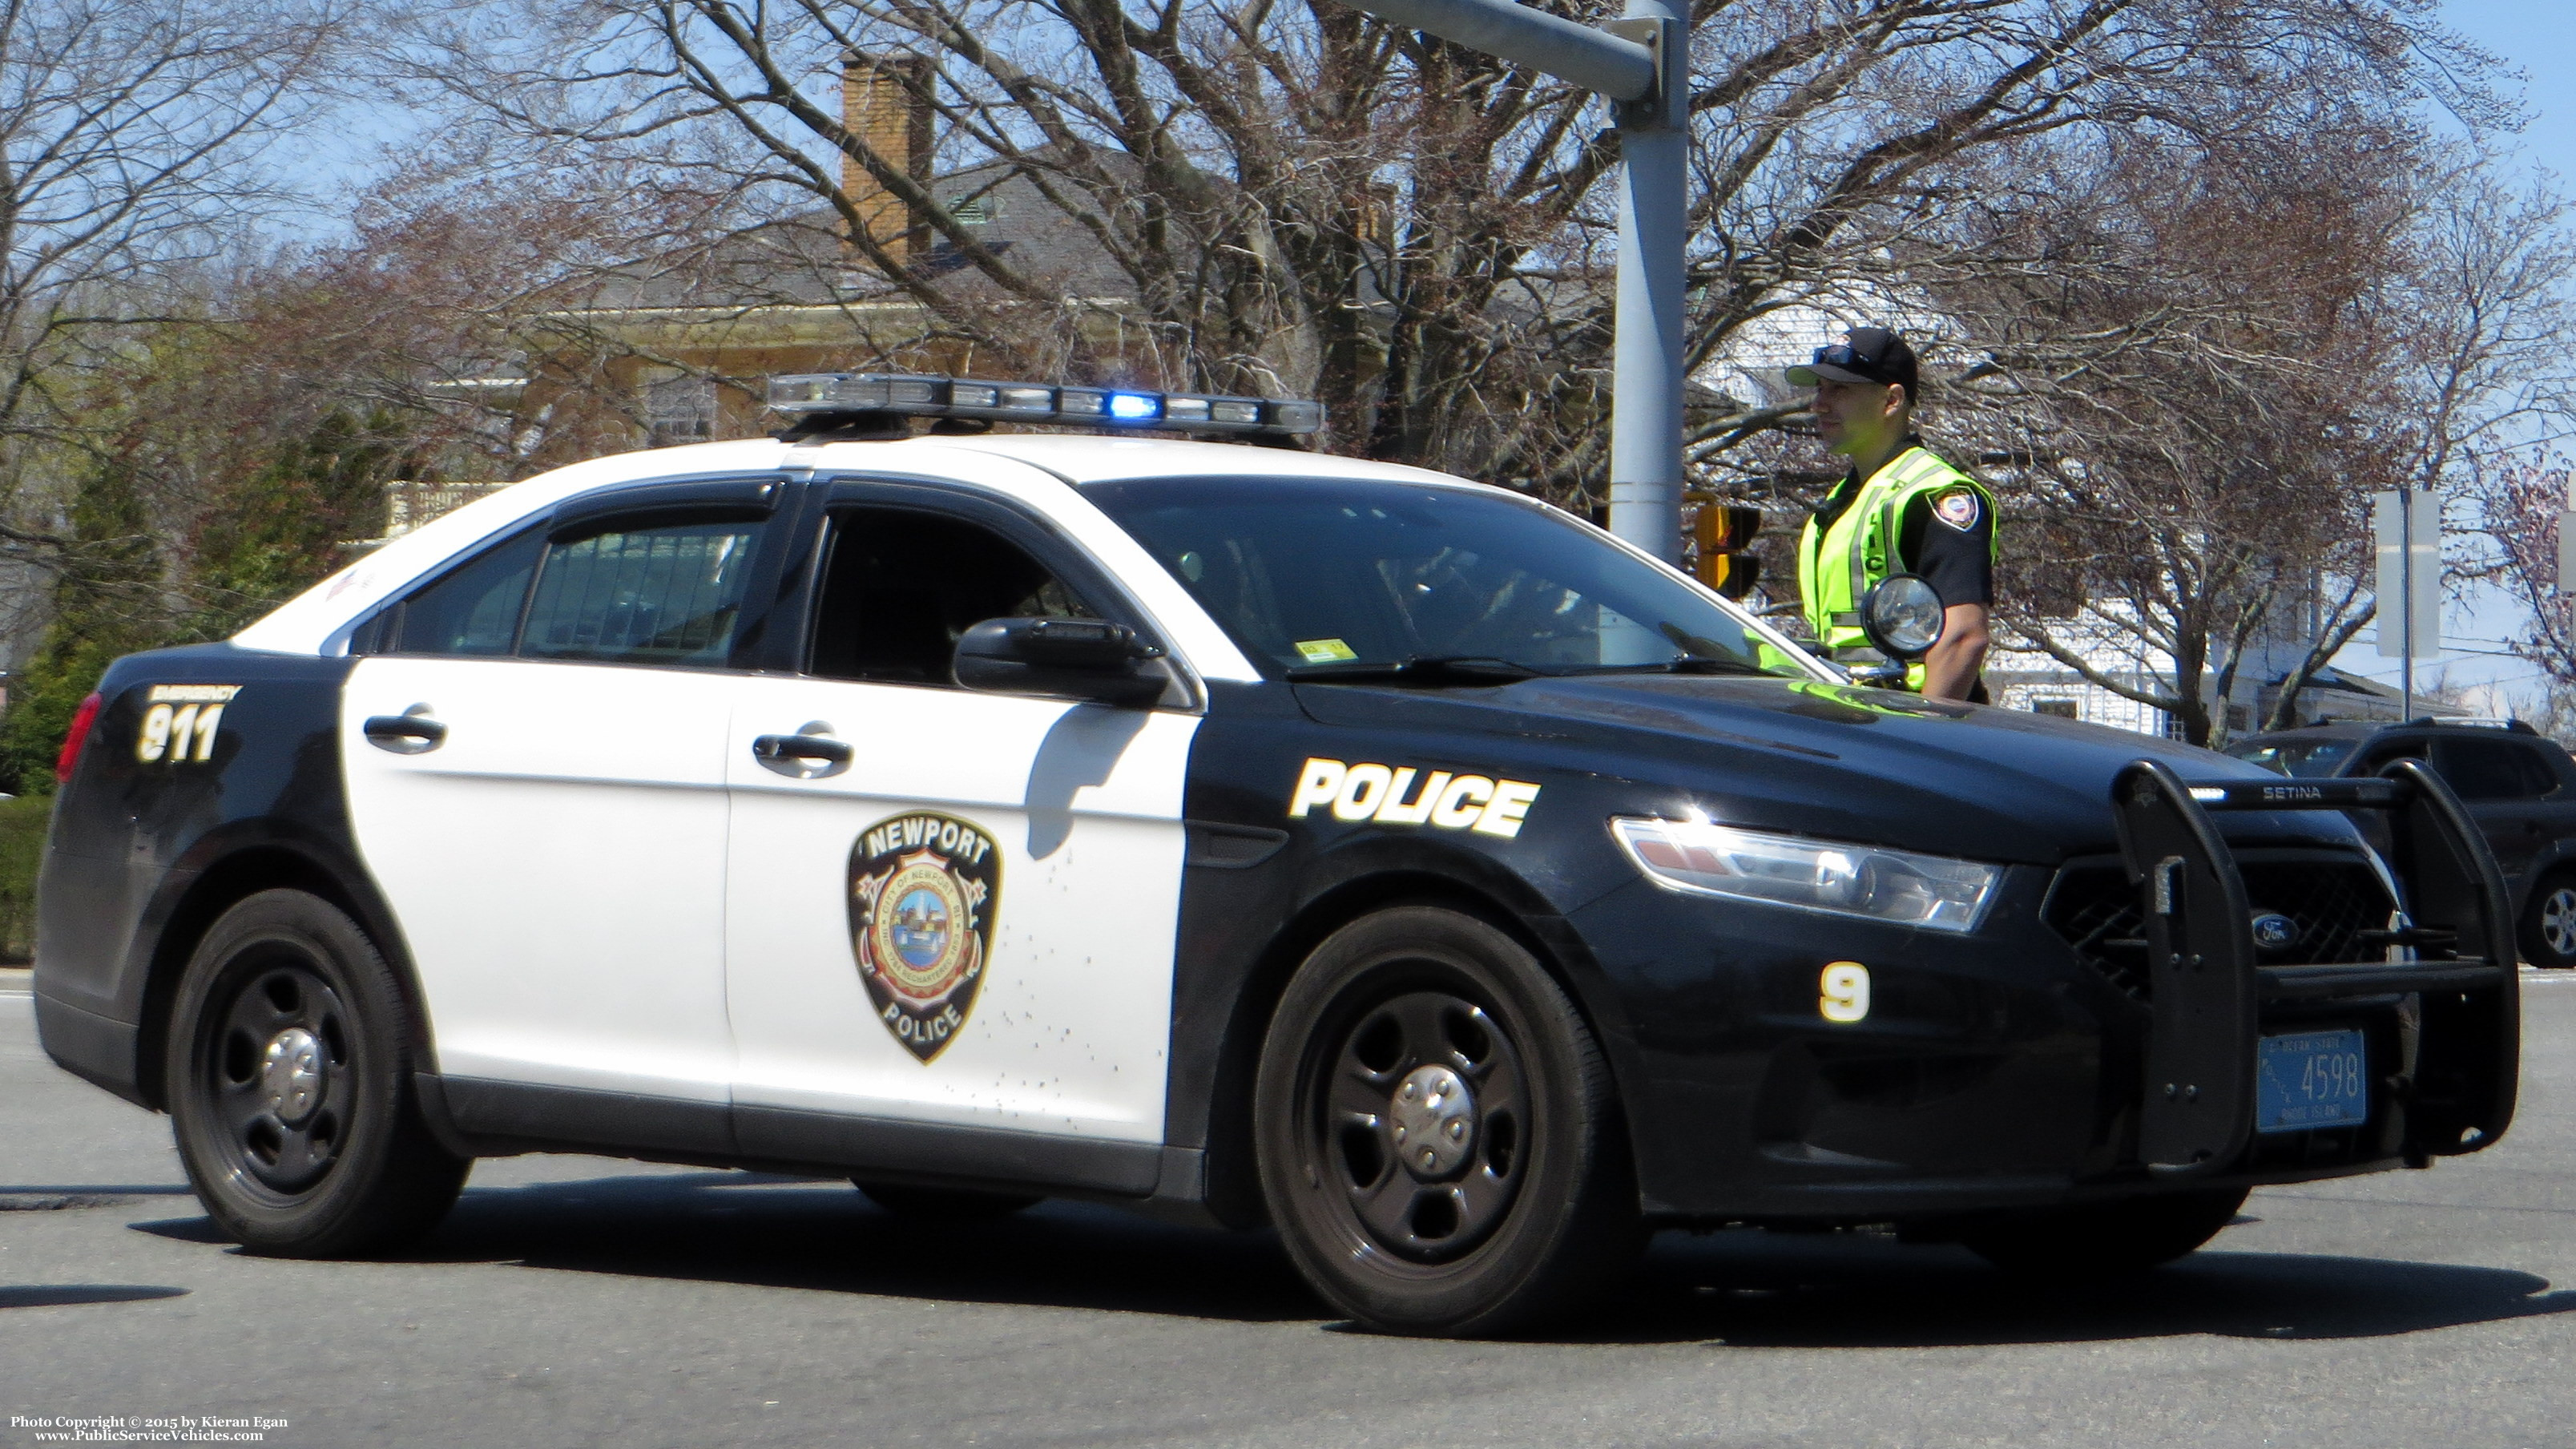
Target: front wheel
{"x": 2099, "y": 1240}
{"x": 1439, "y": 1142}
{"x": 2549, "y": 924}
{"x": 289, "y": 1072}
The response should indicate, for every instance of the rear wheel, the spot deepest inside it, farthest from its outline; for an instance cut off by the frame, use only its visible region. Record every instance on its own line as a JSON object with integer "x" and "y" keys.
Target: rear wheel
{"x": 2549, "y": 923}
{"x": 1439, "y": 1143}
{"x": 2105, "y": 1239}
{"x": 944, "y": 1204}
{"x": 289, "y": 1072}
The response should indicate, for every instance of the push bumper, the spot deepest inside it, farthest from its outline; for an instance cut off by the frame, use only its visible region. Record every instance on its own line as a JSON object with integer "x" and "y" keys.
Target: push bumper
{"x": 2451, "y": 978}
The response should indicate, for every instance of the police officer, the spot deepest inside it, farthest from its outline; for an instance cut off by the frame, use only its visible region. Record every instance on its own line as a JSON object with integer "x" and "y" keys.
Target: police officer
{"x": 1901, "y": 509}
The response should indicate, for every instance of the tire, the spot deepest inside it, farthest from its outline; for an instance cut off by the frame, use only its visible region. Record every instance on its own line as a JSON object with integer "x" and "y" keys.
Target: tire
{"x": 1416, "y": 1026}
{"x": 944, "y": 1204}
{"x": 2549, "y": 923}
{"x": 289, "y": 1070}
{"x": 2101, "y": 1240}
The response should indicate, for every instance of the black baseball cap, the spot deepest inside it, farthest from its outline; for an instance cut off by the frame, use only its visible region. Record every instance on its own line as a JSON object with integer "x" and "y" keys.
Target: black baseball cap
{"x": 1873, "y": 354}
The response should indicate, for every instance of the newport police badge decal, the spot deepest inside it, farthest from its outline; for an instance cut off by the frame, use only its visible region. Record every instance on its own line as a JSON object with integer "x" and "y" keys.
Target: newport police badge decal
{"x": 923, "y": 888}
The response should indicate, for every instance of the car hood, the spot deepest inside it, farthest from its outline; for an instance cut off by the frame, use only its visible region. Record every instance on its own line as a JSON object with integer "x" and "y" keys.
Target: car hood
{"x": 1830, "y": 760}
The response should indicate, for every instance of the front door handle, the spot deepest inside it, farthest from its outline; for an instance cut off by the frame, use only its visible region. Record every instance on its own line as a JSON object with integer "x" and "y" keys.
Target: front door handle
{"x": 412, "y": 732}
{"x": 809, "y": 754}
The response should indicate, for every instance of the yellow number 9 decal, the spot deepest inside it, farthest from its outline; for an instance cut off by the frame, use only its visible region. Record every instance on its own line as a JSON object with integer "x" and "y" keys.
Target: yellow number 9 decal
{"x": 155, "y": 739}
{"x": 1842, "y": 994}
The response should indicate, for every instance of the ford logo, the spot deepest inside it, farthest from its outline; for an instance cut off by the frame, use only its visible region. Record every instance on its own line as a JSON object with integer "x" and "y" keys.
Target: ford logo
{"x": 2274, "y": 931}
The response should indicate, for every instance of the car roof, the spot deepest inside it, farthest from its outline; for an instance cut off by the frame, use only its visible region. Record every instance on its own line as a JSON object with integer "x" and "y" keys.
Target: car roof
{"x": 1081, "y": 458}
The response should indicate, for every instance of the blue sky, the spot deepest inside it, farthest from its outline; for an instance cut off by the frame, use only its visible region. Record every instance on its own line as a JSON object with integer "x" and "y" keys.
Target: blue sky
{"x": 2538, "y": 38}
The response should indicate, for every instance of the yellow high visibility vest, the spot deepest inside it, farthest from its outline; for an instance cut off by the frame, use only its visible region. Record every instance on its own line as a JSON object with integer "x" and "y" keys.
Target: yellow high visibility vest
{"x": 1837, "y": 566}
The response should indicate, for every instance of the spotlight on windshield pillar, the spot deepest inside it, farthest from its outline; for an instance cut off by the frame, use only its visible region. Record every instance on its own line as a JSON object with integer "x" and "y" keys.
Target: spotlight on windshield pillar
{"x": 1721, "y": 533}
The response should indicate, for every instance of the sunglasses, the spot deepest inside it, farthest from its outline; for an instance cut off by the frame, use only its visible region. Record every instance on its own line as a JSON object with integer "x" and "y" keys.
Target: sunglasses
{"x": 1842, "y": 355}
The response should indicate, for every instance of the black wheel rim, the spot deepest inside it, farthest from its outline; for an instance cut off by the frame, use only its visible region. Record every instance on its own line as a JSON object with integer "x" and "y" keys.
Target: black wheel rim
{"x": 1418, "y": 1124}
{"x": 273, "y": 1062}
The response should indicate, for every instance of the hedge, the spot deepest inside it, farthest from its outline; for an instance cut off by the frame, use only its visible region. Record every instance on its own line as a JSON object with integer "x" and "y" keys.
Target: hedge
{"x": 22, "y": 848}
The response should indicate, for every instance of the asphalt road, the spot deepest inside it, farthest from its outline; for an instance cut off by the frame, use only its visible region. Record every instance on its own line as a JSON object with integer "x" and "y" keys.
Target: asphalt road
{"x": 575, "y": 1301}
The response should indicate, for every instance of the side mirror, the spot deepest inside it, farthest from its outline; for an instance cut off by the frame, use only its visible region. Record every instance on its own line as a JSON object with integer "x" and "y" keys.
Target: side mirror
{"x": 1085, "y": 659}
{"x": 1902, "y": 616}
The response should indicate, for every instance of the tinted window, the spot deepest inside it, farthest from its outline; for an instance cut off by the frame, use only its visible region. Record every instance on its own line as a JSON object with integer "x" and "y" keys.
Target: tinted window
{"x": 2294, "y": 757}
{"x": 1319, "y": 572}
{"x": 667, "y": 595}
{"x": 473, "y": 609}
{"x": 2492, "y": 770}
{"x": 902, "y": 586}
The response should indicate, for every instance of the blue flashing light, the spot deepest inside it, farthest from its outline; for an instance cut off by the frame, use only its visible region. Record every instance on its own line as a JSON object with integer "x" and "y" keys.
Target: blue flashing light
{"x": 1130, "y": 407}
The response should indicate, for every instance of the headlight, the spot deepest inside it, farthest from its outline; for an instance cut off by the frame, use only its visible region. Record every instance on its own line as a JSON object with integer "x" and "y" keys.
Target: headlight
{"x": 1704, "y": 858}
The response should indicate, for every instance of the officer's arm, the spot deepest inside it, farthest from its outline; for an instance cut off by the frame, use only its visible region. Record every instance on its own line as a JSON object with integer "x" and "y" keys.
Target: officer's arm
{"x": 1951, "y": 669}
{"x": 1953, "y": 551}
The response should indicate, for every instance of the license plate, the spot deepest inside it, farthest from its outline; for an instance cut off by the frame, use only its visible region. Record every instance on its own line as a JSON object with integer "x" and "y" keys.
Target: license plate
{"x": 2316, "y": 1079}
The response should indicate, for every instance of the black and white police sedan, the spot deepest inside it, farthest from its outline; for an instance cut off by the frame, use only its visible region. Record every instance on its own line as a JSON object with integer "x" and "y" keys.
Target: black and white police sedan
{"x": 1343, "y": 846}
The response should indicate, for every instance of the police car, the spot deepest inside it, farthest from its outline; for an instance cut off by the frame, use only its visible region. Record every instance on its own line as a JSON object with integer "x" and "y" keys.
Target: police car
{"x": 1281, "y": 838}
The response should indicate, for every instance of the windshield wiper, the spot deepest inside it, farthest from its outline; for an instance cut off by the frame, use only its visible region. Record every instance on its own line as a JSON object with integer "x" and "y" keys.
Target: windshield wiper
{"x": 1421, "y": 669}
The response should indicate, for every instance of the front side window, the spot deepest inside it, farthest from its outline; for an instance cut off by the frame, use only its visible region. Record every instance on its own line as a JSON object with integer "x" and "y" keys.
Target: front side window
{"x": 1318, "y": 576}
{"x": 902, "y": 586}
{"x": 667, "y": 594}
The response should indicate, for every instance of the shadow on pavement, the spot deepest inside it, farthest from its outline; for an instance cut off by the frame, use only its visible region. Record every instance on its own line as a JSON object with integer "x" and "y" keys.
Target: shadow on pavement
{"x": 1743, "y": 1288}
{"x": 1865, "y": 1290}
{"x": 56, "y": 1295}
{"x": 823, "y": 1236}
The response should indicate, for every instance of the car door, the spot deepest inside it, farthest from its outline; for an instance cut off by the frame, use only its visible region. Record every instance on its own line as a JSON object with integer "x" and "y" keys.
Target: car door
{"x": 968, "y": 921}
{"x": 534, "y": 756}
{"x": 2502, "y": 782}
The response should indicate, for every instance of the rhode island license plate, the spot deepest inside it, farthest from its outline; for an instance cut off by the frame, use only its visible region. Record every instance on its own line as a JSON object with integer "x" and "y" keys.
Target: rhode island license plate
{"x": 2316, "y": 1079}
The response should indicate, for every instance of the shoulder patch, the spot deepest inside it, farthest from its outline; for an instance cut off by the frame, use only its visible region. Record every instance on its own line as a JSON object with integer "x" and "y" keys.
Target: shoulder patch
{"x": 1957, "y": 507}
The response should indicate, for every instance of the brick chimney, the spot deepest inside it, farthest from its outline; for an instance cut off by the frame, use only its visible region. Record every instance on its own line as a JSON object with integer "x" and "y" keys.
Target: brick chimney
{"x": 885, "y": 99}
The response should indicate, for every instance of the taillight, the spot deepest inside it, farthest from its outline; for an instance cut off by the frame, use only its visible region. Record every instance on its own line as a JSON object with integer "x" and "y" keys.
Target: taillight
{"x": 74, "y": 738}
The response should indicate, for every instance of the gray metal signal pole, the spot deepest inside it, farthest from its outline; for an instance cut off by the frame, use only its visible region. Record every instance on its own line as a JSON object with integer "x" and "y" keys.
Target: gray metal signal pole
{"x": 1641, "y": 61}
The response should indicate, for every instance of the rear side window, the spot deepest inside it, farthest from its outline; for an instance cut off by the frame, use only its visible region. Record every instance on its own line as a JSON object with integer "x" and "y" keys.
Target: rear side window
{"x": 667, "y": 594}
{"x": 2493, "y": 770}
{"x": 670, "y": 595}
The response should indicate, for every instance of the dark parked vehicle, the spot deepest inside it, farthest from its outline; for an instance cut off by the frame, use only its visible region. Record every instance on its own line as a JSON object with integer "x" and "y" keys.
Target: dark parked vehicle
{"x": 2520, "y": 788}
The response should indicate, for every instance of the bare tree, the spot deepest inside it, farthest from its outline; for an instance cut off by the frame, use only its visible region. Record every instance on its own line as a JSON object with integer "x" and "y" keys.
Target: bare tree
{"x": 1294, "y": 197}
{"x": 132, "y": 138}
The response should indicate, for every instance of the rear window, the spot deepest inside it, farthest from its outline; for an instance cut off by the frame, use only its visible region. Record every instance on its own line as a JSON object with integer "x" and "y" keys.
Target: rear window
{"x": 2294, "y": 757}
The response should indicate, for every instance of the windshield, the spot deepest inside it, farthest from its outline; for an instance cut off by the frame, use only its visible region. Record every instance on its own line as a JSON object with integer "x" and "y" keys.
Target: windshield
{"x": 2294, "y": 757}
{"x": 1323, "y": 577}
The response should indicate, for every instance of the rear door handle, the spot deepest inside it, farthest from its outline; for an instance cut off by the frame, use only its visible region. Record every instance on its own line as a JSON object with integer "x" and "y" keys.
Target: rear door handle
{"x": 809, "y": 754}
{"x": 405, "y": 734}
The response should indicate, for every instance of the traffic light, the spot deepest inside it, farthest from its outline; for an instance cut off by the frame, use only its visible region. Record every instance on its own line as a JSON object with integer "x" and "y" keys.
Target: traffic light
{"x": 1724, "y": 531}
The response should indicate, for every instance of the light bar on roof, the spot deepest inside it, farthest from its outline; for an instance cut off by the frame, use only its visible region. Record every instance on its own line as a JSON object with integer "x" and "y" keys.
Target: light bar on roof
{"x": 809, "y": 394}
